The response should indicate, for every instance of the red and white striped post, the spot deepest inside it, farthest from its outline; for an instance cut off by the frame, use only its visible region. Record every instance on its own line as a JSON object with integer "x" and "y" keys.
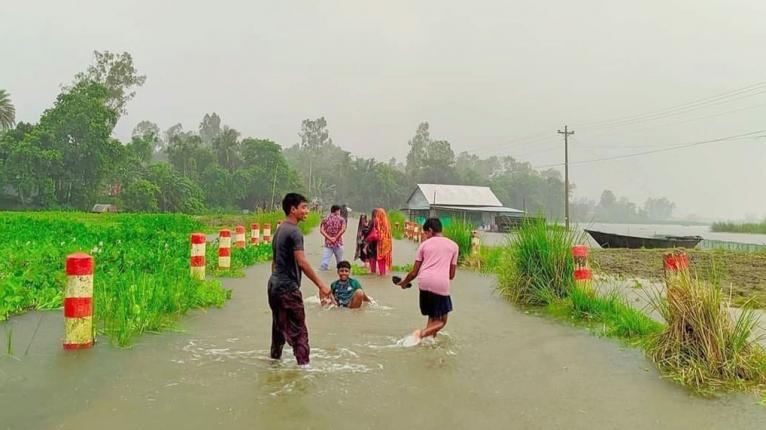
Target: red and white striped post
{"x": 224, "y": 249}
{"x": 239, "y": 236}
{"x": 255, "y": 234}
{"x": 197, "y": 259}
{"x": 78, "y": 302}
{"x": 582, "y": 273}
{"x": 267, "y": 233}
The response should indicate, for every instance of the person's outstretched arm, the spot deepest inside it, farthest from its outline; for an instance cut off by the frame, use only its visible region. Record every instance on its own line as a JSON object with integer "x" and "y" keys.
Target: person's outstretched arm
{"x": 412, "y": 275}
{"x": 324, "y": 290}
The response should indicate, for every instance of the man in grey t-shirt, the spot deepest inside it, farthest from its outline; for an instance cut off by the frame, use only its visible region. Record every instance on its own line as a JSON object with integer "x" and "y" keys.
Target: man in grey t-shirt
{"x": 285, "y": 300}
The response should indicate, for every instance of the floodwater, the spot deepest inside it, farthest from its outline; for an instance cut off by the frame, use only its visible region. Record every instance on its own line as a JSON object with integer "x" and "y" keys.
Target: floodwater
{"x": 494, "y": 367}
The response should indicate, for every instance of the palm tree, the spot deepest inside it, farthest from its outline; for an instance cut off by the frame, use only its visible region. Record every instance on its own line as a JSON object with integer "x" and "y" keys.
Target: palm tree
{"x": 7, "y": 111}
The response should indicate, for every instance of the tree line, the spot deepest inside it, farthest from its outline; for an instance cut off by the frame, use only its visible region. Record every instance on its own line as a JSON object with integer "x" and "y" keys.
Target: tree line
{"x": 69, "y": 160}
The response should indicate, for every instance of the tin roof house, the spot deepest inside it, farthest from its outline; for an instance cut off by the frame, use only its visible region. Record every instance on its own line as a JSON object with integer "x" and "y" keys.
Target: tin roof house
{"x": 477, "y": 205}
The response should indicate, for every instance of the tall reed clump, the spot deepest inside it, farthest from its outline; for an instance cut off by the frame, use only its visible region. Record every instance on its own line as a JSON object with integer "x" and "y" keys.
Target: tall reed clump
{"x": 459, "y": 231}
{"x": 539, "y": 269}
{"x": 393, "y": 218}
{"x": 703, "y": 347}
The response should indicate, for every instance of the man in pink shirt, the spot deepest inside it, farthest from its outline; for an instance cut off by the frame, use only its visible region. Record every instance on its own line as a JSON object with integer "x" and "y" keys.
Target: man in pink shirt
{"x": 435, "y": 266}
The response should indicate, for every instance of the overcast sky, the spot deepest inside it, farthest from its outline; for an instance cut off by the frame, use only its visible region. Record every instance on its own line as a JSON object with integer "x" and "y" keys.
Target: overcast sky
{"x": 494, "y": 77}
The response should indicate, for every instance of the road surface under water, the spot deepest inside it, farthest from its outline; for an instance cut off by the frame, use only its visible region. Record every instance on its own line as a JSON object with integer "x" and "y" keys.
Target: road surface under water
{"x": 494, "y": 367}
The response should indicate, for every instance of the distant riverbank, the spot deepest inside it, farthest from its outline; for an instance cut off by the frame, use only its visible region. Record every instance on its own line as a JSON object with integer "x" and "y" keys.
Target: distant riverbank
{"x": 730, "y": 227}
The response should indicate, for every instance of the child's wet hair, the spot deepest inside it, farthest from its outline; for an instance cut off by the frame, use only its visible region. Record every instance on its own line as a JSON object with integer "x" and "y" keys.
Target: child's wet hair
{"x": 344, "y": 265}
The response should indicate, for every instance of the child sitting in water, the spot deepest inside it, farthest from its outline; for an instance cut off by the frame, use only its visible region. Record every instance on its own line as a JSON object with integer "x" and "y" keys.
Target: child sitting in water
{"x": 347, "y": 291}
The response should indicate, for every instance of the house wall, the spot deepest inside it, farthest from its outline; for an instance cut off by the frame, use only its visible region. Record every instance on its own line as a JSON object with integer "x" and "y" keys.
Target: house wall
{"x": 418, "y": 201}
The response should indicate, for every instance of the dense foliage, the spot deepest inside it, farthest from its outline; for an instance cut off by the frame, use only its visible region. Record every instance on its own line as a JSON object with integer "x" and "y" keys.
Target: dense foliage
{"x": 141, "y": 279}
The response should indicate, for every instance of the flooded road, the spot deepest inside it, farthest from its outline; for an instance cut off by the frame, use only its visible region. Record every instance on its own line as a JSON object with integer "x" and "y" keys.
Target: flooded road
{"x": 494, "y": 367}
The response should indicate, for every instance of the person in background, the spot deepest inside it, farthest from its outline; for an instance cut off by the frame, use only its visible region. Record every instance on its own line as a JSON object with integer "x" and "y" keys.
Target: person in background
{"x": 362, "y": 249}
{"x": 288, "y": 318}
{"x": 379, "y": 242}
{"x": 435, "y": 266}
{"x": 344, "y": 210}
{"x": 332, "y": 228}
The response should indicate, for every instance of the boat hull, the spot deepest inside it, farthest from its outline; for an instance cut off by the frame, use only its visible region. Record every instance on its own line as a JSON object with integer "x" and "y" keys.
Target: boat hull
{"x": 611, "y": 240}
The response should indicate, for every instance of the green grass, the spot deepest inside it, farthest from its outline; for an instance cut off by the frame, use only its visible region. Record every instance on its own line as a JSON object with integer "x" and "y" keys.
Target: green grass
{"x": 610, "y": 314}
{"x": 141, "y": 280}
{"x": 240, "y": 258}
{"x": 731, "y": 227}
{"x": 539, "y": 268}
{"x": 364, "y": 270}
{"x": 393, "y": 218}
{"x": 460, "y": 232}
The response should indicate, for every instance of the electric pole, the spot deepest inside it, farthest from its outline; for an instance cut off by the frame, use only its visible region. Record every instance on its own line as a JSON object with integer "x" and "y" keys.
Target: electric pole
{"x": 566, "y": 134}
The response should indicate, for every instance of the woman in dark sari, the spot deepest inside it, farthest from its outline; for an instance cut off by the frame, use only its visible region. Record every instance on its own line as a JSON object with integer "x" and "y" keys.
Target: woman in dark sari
{"x": 361, "y": 234}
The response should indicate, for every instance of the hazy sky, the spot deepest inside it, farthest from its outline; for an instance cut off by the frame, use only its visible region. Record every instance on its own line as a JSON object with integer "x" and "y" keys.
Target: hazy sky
{"x": 485, "y": 74}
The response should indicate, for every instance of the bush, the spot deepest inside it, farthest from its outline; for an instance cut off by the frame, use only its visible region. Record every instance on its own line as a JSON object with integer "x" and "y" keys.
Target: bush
{"x": 539, "y": 269}
{"x": 702, "y": 346}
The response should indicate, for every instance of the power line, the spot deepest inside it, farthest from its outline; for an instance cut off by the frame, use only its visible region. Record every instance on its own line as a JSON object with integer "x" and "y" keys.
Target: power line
{"x": 750, "y": 135}
{"x": 671, "y": 114}
{"x": 694, "y": 103}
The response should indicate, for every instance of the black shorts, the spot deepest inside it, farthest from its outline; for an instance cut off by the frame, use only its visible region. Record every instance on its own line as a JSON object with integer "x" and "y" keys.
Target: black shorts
{"x": 434, "y": 305}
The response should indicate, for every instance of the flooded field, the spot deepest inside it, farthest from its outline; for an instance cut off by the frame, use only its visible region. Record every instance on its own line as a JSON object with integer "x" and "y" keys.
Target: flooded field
{"x": 649, "y": 230}
{"x": 494, "y": 367}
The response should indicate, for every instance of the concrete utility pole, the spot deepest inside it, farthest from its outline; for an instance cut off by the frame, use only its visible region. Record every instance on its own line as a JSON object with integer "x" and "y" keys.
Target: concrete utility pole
{"x": 566, "y": 134}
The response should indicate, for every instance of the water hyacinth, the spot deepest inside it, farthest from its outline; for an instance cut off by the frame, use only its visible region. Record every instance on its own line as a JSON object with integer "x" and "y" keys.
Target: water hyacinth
{"x": 141, "y": 280}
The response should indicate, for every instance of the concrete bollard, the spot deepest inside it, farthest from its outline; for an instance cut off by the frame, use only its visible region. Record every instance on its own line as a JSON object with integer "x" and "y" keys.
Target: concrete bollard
{"x": 255, "y": 234}
{"x": 267, "y": 233}
{"x": 224, "y": 249}
{"x": 197, "y": 259}
{"x": 475, "y": 244}
{"x": 78, "y": 302}
{"x": 582, "y": 273}
{"x": 239, "y": 236}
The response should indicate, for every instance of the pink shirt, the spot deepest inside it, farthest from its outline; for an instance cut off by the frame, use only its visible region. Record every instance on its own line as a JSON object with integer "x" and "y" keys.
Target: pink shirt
{"x": 436, "y": 255}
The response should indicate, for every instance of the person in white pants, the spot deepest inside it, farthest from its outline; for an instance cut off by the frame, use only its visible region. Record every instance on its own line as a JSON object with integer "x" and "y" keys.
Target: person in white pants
{"x": 332, "y": 228}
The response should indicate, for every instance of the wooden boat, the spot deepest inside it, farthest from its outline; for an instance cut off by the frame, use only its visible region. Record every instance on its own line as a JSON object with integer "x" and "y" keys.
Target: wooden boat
{"x": 612, "y": 240}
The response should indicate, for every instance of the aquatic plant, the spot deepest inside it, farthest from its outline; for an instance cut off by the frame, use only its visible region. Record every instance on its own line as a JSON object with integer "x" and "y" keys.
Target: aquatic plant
{"x": 141, "y": 281}
{"x": 703, "y": 346}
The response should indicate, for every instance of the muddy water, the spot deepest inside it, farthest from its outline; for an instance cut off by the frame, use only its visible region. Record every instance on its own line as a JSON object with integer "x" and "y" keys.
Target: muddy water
{"x": 495, "y": 367}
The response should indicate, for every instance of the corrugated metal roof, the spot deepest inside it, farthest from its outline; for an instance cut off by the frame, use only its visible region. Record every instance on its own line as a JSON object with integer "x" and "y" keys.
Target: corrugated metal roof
{"x": 459, "y": 195}
{"x": 496, "y": 209}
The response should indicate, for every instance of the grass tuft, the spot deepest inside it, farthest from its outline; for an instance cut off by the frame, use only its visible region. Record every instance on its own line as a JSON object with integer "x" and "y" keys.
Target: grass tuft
{"x": 539, "y": 268}
{"x": 703, "y": 346}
